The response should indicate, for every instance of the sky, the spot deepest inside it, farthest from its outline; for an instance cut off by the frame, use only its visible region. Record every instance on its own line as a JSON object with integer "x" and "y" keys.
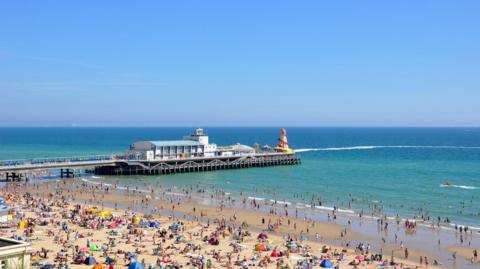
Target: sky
{"x": 240, "y": 63}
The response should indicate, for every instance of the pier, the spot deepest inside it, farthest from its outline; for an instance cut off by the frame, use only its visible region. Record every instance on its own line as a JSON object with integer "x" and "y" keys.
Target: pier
{"x": 163, "y": 167}
{"x": 192, "y": 154}
{"x": 18, "y": 170}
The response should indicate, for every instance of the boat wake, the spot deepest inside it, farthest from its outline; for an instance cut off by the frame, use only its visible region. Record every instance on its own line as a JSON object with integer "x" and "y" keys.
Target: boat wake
{"x": 460, "y": 186}
{"x": 381, "y": 147}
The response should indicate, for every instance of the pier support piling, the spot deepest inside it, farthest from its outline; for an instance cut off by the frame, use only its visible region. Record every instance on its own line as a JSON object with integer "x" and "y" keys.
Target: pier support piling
{"x": 163, "y": 167}
{"x": 67, "y": 173}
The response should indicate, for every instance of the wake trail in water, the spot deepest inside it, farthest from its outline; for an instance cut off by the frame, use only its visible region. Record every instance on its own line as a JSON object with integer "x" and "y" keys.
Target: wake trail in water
{"x": 460, "y": 186}
{"x": 382, "y": 147}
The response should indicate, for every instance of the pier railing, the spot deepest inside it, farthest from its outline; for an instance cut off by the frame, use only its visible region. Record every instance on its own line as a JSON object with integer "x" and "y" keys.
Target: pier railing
{"x": 54, "y": 161}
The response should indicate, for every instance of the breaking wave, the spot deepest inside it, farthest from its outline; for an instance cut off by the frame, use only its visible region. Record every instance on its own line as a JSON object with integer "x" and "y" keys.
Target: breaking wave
{"x": 380, "y": 147}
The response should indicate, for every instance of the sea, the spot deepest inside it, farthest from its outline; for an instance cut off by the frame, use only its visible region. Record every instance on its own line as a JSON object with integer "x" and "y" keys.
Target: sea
{"x": 386, "y": 171}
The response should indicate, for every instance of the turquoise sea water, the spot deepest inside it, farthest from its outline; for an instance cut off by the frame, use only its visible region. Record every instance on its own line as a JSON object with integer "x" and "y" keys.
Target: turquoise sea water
{"x": 399, "y": 169}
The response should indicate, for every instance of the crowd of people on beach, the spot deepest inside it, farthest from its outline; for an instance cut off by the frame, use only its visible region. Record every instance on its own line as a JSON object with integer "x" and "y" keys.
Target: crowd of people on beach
{"x": 71, "y": 226}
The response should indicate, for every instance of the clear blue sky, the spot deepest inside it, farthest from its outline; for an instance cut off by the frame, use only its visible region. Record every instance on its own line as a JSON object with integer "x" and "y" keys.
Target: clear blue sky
{"x": 240, "y": 63}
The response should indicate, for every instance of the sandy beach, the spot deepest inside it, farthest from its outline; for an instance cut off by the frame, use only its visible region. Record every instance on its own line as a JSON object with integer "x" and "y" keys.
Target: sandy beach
{"x": 67, "y": 222}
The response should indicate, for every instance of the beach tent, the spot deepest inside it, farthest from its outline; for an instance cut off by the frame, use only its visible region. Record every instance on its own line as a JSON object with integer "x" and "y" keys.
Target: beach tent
{"x": 260, "y": 247}
{"x": 213, "y": 241}
{"x": 262, "y": 236}
{"x": 110, "y": 260}
{"x": 326, "y": 264}
{"x": 292, "y": 245}
{"x": 105, "y": 213}
{"x": 93, "y": 210}
{"x": 136, "y": 265}
{"x": 90, "y": 261}
{"x": 154, "y": 224}
{"x": 144, "y": 223}
{"x": 275, "y": 254}
{"x": 359, "y": 257}
{"x": 136, "y": 220}
{"x": 94, "y": 248}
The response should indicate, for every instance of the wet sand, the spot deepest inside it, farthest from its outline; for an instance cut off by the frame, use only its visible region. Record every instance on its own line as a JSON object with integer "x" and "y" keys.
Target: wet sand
{"x": 464, "y": 252}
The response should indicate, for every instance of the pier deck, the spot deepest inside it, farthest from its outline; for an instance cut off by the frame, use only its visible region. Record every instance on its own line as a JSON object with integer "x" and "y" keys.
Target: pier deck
{"x": 109, "y": 165}
{"x": 54, "y": 163}
{"x": 161, "y": 167}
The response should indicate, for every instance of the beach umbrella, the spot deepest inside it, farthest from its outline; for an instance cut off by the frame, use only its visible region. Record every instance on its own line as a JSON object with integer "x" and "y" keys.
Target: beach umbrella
{"x": 83, "y": 249}
{"x": 326, "y": 264}
{"x": 136, "y": 265}
{"x": 90, "y": 261}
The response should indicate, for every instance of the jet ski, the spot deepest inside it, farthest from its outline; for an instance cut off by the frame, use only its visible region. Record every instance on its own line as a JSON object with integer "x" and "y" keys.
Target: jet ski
{"x": 447, "y": 184}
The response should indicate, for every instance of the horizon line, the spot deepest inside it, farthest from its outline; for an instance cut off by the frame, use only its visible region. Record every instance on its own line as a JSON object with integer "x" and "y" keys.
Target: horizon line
{"x": 246, "y": 126}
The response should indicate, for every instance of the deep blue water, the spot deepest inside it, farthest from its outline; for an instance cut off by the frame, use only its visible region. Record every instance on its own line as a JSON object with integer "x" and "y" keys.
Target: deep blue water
{"x": 399, "y": 168}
